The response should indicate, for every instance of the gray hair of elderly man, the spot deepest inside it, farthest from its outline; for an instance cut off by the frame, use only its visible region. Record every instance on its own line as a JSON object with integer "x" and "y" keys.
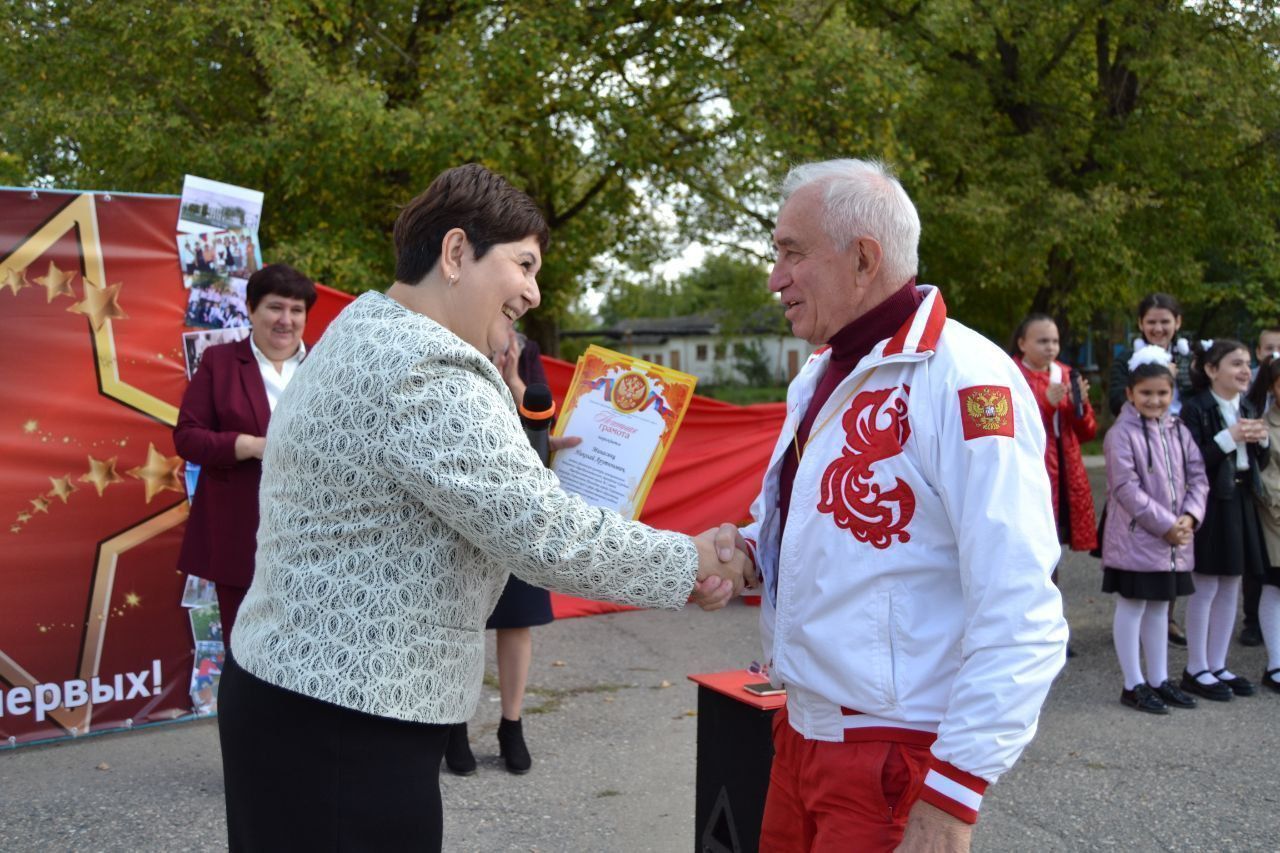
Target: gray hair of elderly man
{"x": 863, "y": 198}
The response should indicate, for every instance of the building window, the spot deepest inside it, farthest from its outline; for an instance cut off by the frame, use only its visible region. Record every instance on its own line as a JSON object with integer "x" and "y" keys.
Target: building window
{"x": 657, "y": 358}
{"x": 720, "y": 352}
{"x": 702, "y": 352}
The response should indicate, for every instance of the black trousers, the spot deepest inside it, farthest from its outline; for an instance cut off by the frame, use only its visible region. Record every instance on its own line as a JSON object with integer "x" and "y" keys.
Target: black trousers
{"x": 302, "y": 774}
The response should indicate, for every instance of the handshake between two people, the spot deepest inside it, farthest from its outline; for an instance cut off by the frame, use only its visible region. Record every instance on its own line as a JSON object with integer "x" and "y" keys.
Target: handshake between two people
{"x": 724, "y": 567}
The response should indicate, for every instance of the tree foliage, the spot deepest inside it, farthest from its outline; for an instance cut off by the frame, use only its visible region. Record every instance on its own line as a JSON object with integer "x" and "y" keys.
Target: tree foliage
{"x": 1066, "y": 156}
{"x": 342, "y": 111}
{"x": 731, "y": 288}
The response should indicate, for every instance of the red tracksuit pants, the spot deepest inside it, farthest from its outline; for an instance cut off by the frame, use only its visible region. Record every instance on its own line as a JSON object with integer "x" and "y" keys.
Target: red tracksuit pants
{"x": 826, "y": 797}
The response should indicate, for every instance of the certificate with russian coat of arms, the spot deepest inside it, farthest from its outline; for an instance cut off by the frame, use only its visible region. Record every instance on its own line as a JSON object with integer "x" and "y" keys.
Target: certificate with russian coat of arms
{"x": 626, "y": 411}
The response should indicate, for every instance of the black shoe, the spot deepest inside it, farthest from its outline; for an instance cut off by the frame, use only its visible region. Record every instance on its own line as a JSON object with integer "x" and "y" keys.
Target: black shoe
{"x": 1250, "y": 635}
{"x": 1172, "y": 696}
{"x": 1176, "y": 635}
{"x": 1216, "y": 692}
{"x": 1145, "y": 699}
{"x": 1239, "y": 685}
{"x": 457, "y": 752}
{"x": 1271, "y": 679}
{"x": 511, "y": 746}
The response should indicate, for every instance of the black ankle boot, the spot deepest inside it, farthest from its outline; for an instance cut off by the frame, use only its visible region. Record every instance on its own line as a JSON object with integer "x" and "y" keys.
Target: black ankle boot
{"x": 511, "y": 746}
{"x": 457, "y": 752}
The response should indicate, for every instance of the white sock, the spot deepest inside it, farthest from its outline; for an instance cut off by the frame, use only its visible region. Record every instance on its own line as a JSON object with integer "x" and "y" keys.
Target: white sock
{"x": 1197, "y": 626}
{"x": 1124, "y": 631}
{"x": 1269, "y": 620}
{"x": 1222, "y": 621}
{"x": 1155, "y": 641}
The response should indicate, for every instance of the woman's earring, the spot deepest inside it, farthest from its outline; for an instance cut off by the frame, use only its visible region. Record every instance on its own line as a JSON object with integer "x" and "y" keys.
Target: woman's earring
{"x": 453, "y": 279}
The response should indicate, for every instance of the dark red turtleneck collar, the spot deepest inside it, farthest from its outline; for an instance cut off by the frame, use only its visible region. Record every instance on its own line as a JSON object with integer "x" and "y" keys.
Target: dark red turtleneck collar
{"x": 852, "y": 343}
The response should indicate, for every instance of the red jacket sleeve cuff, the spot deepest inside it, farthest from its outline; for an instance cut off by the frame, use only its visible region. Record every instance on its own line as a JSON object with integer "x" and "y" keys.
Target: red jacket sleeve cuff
{"x": 956, "y": 792}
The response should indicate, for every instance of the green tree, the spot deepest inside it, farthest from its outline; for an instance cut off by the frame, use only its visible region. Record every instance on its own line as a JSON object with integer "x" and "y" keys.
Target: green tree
{"x": 342, "y": 111}
{"x": 1065, "y": 156}
{"x": 732, "y": 289}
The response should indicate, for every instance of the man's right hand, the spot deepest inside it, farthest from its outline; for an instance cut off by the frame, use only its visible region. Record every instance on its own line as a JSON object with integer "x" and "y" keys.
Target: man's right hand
{"x": 931, "y": 830}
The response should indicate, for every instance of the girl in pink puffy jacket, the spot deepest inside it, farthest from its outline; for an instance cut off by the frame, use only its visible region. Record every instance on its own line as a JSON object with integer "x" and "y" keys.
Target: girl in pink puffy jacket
{"x": 1156, "y": 493}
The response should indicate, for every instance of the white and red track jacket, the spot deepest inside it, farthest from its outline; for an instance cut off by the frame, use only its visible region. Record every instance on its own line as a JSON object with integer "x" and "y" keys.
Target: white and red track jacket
{"x": 910, "y": 599}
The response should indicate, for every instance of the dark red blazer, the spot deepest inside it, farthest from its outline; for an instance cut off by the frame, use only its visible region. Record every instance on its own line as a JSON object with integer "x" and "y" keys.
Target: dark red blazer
{"x": 226, "y": 397}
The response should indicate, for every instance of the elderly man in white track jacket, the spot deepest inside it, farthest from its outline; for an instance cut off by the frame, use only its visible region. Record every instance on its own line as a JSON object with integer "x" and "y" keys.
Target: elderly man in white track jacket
{"x": 907, "y": 605}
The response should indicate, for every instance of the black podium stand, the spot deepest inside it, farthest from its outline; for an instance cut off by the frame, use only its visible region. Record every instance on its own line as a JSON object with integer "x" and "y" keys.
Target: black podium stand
{"x": 735, "y": 752}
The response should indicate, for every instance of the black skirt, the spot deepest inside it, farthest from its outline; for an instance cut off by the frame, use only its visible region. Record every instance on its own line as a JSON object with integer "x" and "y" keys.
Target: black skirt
{"x": 522, "y": 605}
{"x": 1147, "y": 586}
{"x": 301, "y": 774}
{"x": 1230, "y": 542}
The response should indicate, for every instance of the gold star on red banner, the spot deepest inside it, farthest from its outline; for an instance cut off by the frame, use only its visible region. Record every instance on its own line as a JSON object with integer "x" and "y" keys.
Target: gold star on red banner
{"x": 159, "y": 473}
{"x": 62, "y": 487}
{"x": 14, "y": 279}
{"x": 133, "y": 599}
{"x": 101, "y": 473}
{"x": 13, "y": 528}
{"x": 100, "y": 304}
{"x": 41, "y": 505}
{"x": 24, "y": 517}
{"x": 31, "y": 426}
{"x": 57, "y": 282}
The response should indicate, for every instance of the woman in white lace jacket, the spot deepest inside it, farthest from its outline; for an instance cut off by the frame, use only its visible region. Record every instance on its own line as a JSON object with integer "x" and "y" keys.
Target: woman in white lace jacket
{"x": 398, "y": 490}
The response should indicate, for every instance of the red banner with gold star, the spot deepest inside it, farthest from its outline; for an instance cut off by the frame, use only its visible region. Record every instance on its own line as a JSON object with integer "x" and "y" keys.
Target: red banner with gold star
{"x": 93, "y": 636}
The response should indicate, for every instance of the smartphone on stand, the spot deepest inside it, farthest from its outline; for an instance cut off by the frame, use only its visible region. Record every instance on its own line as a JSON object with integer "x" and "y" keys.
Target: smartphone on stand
{"x": 764, "y": 688}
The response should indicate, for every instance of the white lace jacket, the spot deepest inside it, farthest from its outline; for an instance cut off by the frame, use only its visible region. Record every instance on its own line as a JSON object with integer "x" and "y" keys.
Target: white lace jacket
{"x": 398, "y": 489}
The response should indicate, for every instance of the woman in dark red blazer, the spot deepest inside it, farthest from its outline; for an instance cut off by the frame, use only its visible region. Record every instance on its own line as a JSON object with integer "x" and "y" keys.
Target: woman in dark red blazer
{"x": 222, "y": 427}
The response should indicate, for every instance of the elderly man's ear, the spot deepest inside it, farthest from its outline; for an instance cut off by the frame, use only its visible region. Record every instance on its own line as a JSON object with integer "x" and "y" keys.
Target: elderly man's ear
{"x": 869, "y": 255}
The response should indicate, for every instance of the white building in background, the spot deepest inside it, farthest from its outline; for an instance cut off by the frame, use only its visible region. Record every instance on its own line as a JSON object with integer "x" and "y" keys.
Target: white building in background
{"x": 695, "y": 344}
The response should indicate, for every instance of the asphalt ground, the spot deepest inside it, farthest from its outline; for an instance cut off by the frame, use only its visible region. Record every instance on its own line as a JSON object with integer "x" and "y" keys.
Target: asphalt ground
{"x": 611, "y": 723}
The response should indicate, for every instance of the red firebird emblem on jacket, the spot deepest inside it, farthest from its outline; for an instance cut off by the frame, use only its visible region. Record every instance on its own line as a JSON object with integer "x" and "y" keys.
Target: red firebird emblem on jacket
{"x": 875, "y": 428}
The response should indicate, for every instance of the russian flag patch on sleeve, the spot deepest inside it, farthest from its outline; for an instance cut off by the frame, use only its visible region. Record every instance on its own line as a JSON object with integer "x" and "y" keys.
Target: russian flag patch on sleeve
{"x": 986, "y": 410}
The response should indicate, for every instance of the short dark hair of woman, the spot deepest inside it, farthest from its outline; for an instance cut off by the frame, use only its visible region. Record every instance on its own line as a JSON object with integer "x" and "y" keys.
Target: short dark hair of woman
{"x": 1213, "y": 355}
{"x": 282, "y": 280}
{"x": 1159, "y": 300}
{"x": 483, "y": 204}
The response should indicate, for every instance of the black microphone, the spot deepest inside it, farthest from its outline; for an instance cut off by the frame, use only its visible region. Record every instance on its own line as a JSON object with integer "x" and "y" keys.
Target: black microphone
{"x": 536, "y": 413}
{"x": 1077, "y": 394}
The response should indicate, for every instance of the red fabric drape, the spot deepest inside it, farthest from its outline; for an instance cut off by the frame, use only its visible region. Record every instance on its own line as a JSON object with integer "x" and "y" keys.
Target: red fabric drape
{"x": 711, "y": 474}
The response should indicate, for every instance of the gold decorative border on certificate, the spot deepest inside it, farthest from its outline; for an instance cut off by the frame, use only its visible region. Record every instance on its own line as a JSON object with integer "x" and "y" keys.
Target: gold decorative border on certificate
{"x": 678, "y": 387}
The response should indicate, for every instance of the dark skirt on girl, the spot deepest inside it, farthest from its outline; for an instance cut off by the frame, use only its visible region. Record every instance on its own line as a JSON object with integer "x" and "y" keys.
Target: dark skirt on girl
{"x": 1229, "y": 542}
{"x": 1147, "y": 586}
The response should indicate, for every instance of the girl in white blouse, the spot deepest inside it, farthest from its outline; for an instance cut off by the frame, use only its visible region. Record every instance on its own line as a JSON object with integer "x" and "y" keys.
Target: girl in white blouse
{"x": 1229, "y": 543}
